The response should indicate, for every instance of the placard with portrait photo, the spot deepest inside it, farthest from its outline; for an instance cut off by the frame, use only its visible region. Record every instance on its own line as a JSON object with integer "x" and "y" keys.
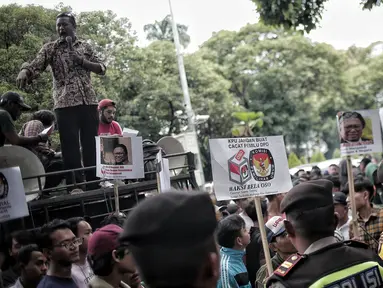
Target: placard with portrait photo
{"x": 359, "y": 132}
{"x": 120, "y": 157}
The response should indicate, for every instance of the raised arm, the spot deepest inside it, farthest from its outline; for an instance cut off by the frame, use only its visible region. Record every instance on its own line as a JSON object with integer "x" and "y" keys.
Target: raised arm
{"x": 89, "y": 60}
{"x": 31, "y": 71}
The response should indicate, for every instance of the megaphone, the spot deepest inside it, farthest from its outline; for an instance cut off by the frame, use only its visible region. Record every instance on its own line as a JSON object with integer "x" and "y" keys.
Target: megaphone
{"x": 30, "y": 165}
{"x": 170, "y": 145}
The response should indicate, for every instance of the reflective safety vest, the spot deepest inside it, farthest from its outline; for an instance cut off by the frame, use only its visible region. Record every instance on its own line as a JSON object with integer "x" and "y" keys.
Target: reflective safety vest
{"x": 348, "y": 264}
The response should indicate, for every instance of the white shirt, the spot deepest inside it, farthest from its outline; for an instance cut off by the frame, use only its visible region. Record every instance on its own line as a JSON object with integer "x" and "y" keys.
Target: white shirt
{"x": 248, "y": 222}
{"x": 345, "y": 229}
{"x": 82, "y": 274}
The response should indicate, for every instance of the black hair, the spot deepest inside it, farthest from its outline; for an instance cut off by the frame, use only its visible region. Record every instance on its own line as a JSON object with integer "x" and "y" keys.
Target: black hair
{"x": 335, "y": 180}
{"x": 73, "y": 223}
{"x": 44, "y": 116}
{"x": 102, "y": 265}
{"x": 313, "y": 224}
{"x": 333, "y": 165}
{"x": 25, "y": 253}
{"x": 114, "y": 218}
{"x": 229, "y": 229}
{"x": 361, "y": 184}
{"x": 22, "y": 237}
{"x": 349, "y": 115}
{"x": 123, "y": 147}
{"x": 315, "y": 170}
{"x": 71, "y": 17}
{"x": 300, "y": 170}
{"x": 251, "y": 211}
{"x": 49, "y": 228}
{"x": 365, "y": 161}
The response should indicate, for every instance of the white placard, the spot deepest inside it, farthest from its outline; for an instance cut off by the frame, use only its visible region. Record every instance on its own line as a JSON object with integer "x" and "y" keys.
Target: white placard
{"x": 359, "y": 132}
{"x": 13, "y": 203}
{"x": 119, "y": 157}
{"x": 127, "y": 132}
{"x": 164, "y": 172}
{"x": 248, "y": 167}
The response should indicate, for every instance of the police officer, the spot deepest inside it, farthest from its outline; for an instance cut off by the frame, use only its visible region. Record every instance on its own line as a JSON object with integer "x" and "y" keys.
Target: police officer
{"x": 321, "y": 260}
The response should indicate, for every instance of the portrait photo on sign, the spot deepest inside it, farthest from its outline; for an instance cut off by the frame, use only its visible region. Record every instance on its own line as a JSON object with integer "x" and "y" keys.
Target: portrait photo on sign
{"x": 116, "y": 151}
{"x": 354, "y": 128}
{"x": 359, "y": 132}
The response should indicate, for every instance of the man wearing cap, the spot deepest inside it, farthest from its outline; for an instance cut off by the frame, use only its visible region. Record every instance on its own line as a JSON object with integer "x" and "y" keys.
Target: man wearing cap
{"x": 11, "y": 107}
{"x": 279, "y": 243}
{"x": 107, "y": 112}
{"x": 171, "y": 237}
{"x": 321, "y": 260}
{"x": 341, "y": 208}
{"x": 108, "y": 258}
{"x": 72, "y": 61}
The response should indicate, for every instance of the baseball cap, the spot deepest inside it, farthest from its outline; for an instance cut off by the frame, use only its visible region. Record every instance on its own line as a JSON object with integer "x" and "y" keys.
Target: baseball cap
{"x": 340, "y": 198}
{"x": 274, "y": 227}
{"x": 105, "y": 103}
{"x": 104, "y": 240}
{"x": 15, "y": 98}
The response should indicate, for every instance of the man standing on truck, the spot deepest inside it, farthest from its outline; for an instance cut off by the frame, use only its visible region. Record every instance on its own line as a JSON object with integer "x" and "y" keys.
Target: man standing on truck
{"x": 75, "y": 102}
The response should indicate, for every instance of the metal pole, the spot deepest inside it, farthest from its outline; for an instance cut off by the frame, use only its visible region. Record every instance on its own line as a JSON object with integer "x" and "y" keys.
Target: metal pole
{"x": 185, "y": 90}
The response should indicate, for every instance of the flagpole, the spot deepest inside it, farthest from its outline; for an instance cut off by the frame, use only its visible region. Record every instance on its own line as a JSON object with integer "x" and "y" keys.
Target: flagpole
{"x": 185, "y": 90}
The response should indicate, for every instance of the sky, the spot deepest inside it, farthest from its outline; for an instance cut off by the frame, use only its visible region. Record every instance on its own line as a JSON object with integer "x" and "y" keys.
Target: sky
{"x": 344, "y": 23}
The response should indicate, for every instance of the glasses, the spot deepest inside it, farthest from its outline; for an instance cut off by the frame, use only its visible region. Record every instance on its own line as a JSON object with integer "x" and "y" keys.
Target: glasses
{"x": 69, "y": 245}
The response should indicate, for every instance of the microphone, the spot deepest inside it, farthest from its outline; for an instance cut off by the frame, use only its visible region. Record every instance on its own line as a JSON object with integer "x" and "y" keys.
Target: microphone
{"x": 69, "y": 41}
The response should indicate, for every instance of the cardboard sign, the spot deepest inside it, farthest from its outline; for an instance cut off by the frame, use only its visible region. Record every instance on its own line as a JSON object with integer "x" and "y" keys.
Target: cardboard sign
{"x": 163, "y": 172}
{"x": 359, "y": 132}
{"x": 13, "y": 203}
{"x": 119, "y": 157}
{"x": 247, "y": 167}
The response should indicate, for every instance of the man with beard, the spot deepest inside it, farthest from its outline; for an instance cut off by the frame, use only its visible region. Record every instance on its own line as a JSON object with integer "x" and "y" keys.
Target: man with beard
{"x": 72, "y": 61}
{"x": 61, "y": 247}
{"x": 11, "y": 107}
{"x": 107, "y": 112}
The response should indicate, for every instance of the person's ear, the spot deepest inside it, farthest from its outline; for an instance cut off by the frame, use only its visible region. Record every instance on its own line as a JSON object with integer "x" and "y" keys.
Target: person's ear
{"x": 47, "y": 253}
{"x": 115, "y": 256}
{"x": 272, "y": 247}
{"x": 289, "y": 228}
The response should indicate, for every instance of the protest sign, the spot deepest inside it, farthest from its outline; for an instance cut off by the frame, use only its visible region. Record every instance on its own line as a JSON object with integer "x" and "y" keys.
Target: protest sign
{"x": 163, "y": 172}
{"x": 13, "y": 203}
{"x": 359, "y": 132}
{"x": 119, "y": 157}
{"x": 247, "y": 167}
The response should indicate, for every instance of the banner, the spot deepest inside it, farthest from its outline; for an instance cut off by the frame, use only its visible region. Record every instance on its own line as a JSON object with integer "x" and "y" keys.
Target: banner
{"x": 359, "y": 132}
{"x": 13, "y": 203}
{"x": 247, "y": 167}
{"x": 120, "y": 157}
{"x": 163, "y": 172}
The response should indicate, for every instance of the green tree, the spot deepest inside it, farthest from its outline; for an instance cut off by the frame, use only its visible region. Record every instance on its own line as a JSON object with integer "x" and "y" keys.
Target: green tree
{"x": 317, "y": 157}
{"x": 162, "y": 31}
{"x": 293, "y": 160}
{"x": 248, "y": 121}
{"x": 297, "y": 14}
{"x": 336, "y": 153}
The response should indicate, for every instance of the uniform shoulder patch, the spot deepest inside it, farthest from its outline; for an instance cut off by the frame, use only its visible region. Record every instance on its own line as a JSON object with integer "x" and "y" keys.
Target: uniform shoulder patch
{"x": 355, "y": 243}
{"x": 286, "y": 266}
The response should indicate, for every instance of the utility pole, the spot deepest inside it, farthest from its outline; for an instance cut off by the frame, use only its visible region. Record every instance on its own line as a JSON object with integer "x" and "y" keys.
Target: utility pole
{"x": 185, "y": 90}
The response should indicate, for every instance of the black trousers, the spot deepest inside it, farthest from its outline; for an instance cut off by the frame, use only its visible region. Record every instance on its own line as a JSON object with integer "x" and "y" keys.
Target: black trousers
{"x": 78, "y": 124}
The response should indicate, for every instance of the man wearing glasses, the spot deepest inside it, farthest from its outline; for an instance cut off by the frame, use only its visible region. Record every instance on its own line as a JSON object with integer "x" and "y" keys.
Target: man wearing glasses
{"x": 61, "y": 247}
{"x": 351, "y": 125}
{"x": 75, "y": 103}
{"x": 109, "y": 259}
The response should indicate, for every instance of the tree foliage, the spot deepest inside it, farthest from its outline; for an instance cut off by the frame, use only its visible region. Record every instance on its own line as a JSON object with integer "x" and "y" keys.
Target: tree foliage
{"x": 299, "y": 14}
{"x": 293, "y": 160}
{"x": 163, "y": 31}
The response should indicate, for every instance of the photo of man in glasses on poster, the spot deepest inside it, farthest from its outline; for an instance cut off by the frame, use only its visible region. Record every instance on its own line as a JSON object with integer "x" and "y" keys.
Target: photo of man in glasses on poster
{"x": 354, "y": 128}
